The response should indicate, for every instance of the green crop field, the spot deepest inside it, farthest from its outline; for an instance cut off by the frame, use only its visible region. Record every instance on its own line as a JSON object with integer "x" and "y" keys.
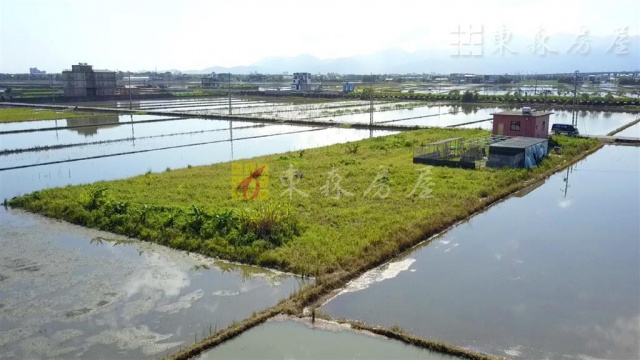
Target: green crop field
{"x": 12, "y": 114}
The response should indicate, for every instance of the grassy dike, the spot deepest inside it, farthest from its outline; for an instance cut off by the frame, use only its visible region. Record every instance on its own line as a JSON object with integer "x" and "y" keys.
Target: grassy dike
{"x": 436, "y": 346}
{"x": 15, "y": 114}
{"x": 334, "y": 239}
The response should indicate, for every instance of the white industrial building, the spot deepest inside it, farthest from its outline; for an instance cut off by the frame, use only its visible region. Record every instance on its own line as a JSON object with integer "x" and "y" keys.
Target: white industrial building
{"x": 301, "y": 82}
{"x": 82, "y": 80}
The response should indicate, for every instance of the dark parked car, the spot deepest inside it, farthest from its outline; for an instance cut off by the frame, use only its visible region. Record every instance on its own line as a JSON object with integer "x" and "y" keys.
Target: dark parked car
{"x": 564, "y": 129}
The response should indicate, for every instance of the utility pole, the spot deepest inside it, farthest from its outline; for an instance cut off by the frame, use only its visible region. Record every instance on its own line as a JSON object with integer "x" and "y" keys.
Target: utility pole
{"x": 130, "y": 90}
{"x": 575, "y": 88}
{"x": 231, "y": 137}
{"x": 229, "y": 89}
{"x": 566, "y": 181}
{"x": 133, "y": 134}
{"x": 53, "y": 97}
{"x": 371, "y": 101}
{"x": 575, "y": 99}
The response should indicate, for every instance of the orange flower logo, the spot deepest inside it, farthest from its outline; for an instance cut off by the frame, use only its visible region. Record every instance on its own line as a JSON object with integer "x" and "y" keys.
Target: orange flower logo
{"x": 254, "y": 186}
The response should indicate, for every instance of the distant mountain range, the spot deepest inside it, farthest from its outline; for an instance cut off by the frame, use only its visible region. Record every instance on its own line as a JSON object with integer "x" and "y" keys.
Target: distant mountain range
{"x": 600, "y": 57}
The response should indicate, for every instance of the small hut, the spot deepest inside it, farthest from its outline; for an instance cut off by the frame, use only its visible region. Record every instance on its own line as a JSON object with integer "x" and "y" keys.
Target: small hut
{"x": 518, "y": 152}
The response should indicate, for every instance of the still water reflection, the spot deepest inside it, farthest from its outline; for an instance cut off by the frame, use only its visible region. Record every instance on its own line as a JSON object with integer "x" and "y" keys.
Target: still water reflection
{"x": 552, "y": 274}
{"x": 71, "y": 292}
{"x": 282, "y": 339}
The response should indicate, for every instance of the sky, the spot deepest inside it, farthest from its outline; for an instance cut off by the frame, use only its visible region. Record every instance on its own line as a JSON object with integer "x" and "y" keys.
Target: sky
{"x": 192, "y": 34}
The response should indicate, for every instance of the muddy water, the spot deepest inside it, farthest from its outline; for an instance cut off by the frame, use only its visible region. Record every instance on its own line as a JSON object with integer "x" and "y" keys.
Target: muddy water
{"x": 589, "y": 122}
{"x": 552, "y": 274}
{"x": 145, "y": 143}
{"x": 594, "y": 122}
{"x": 282, "y": 339}
{"x": 567, "y": 90}
{"x": 97, "y": 121}
{"x": 390, "y": 115}
{"x": 278, "y": 109}
{"x": 22, "y": 181}
{"x": 159, "y": 102}
{"x": 106, "y": 132}
{"x": 71, "y": 292}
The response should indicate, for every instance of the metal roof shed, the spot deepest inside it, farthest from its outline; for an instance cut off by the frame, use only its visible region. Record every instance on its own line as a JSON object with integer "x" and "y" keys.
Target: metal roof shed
{"x": 518, "y": 152}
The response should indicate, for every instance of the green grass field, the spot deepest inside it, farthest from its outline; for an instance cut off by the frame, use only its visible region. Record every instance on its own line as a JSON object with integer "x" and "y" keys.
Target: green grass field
{"x": 201, "y": 209}
{"x": 12, "y": 114}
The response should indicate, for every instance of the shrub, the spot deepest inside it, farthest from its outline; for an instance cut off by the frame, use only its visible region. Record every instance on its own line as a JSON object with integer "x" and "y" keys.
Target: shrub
{"x": 271, "y": 222}
{"x": 97, "y": 198}
{"x": 467, "y": 96}
{"x": 197, "y": 219}
{"x": 352, "y": 148}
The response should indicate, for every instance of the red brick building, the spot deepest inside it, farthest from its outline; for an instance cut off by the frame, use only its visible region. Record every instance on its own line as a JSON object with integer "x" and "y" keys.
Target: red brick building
{"x": 519, "y": 123}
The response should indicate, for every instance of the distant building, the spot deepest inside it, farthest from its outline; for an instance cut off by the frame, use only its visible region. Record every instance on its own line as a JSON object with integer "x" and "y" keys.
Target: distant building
{"x": 82, "y": 80}
{"x": 492, "y": 78}
{"x": 461, "y": 78}
{"x": 470, "y": 78}
{"x": 257, "y": 77}
{"x": 133, "y": 90}
{"x": 34, "y": 73}
{"x": 455, "y": 77}
{"x": 348, "y": 87}
{"x": 211, "y": 81}
{"x": 526, "y": 123}
{"x": 136, "y": 80}
{"x": 301, "y": 82}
